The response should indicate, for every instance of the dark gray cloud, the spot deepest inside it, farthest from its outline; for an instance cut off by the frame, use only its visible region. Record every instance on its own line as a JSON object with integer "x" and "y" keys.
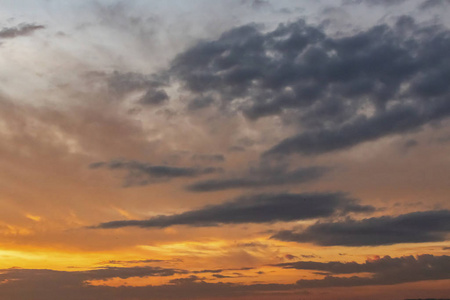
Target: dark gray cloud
{"x": 20, "y": 30}
{"x": 209, "y": 158}
{"x": 373, "y": 2}
{"x": 257, "y": 4}
{"x": 236, "y": 149}
{"x": 384, "y": 271}
{"x": 397, "y": 120}
{"x": 417, "y": 227}
{"x": 215, "y": 271}
{"x": 260, "y": 178}
{"x": 411, "y": 143}
{"x": 111, "y": 272}
{"x": 121, "y": 84}
{"x": 19, "y": 284}
{"x": 433, "y": 4}
{"x": 386, "y": 80}
{"x": 153, "y": 97}
{"x": 140, "y": 261}
{"x": 186, "y": 280}
{"x": 376, "y": 265}
{"x": 95, "y": 274}
{"x": 140, "y": 173}
{"x": 254, "y": 209}
{"x": 200, "y": 102}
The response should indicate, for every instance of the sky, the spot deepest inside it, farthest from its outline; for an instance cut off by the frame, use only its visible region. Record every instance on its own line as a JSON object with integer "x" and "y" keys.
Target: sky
{"x": 234, "y": 149}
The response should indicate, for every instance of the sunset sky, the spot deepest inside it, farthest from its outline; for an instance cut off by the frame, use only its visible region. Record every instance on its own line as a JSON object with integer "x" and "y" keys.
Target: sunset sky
{"x": 234, "y": 149}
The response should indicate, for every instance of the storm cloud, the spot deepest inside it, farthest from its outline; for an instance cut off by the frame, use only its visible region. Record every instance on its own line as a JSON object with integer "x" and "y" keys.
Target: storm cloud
{"x": 254, "y": 209}
{"x": 343, "y": 91}
{"x": 416, "y": 227}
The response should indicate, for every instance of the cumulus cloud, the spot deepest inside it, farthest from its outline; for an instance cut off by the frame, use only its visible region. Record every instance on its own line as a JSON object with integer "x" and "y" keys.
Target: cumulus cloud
{"x": 386, "y": 80}
{"x": 416, "y": 227}
{"x": 20, "y": 30}
{"x": 254, "y": 209}
{"x": 140, "y": 173}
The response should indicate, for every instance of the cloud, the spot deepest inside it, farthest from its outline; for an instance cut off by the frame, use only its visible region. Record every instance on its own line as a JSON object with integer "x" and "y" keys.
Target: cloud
{"x": 81, "y": 276}
{"x": 20, "y": 30}
{"x": 397, "y": 120}
{"x": 19, "y": 284}
{"x": 260, "y": 178}
{"x": 215, "y": 271}
{"x": 373, "y": 2}
{"x": 411, "y": 143}
{"x": 186, "y": 280}
{"x": 384, "y": 271}
{"x": 343, "y": 91}
{"x": 209, "y": 158}
{"x": 416, "y": 227}
{"x": 433, "y": 4}
{"x": 140, "y": 261}
{"x": 257, "y": 4}
{"x": 199, "y": 103}
{"x": 254, "y": 209}
{"x": 154, "y": 97}
{"x": 140, "y": 173}
{"x": 111, "y": 272}
{"x": 122, "y": 83}
{"x": 290, "y": 257}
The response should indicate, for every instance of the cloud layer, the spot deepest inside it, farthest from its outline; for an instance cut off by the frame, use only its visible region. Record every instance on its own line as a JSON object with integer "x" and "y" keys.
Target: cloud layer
{"x": 140, "y": 173}
{"x": 260, "y": 178}
{"x": 254, "y": 209}
{"x": 384, "y": 271}
{"x": 417, "y": 227}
